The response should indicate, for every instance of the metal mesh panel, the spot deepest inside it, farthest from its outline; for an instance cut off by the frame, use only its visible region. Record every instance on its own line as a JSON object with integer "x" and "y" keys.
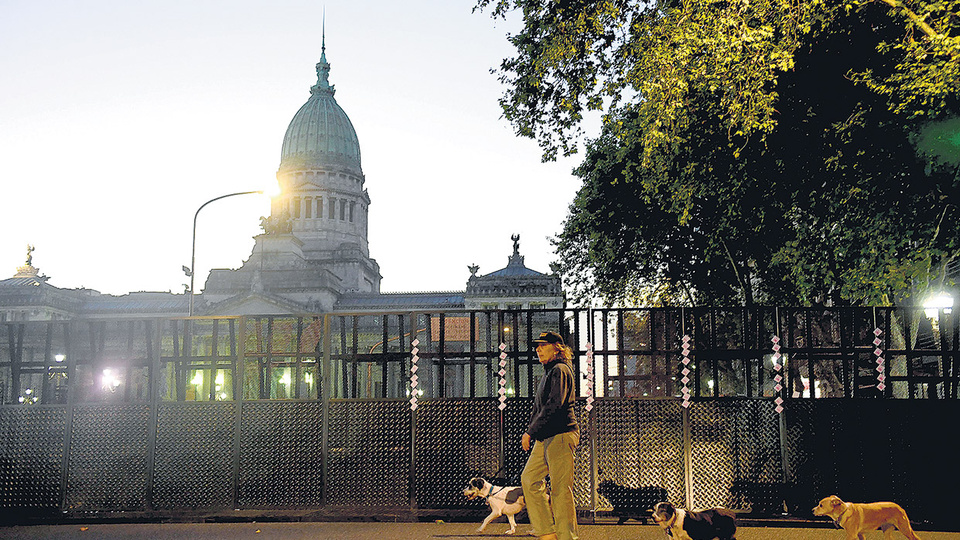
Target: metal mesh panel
{"x": 194, "y": 456}
{"x": 639, "y": 455}
{"x": 456, "y": 440}
{"x": 280, "y": 454}
{"x": 31, "y": 455}
{"x": 811, "y": 465}
{"x": 108, "y": 458}
{"x": 735, "y": 455}
{"x": 916, "y": 484}
{"x": 369, "y": 449}
{"x": 515, "y": 419}
{"x": 582, "y": 477}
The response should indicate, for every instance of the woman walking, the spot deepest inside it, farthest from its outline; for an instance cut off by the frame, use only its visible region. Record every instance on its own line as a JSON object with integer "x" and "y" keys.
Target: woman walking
{"x": 554, "y": 434}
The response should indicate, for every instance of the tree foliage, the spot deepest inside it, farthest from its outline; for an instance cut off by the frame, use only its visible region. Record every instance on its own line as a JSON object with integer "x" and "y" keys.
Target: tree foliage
{"x": 575, "y": 56}
{"x": 751, "y": 151}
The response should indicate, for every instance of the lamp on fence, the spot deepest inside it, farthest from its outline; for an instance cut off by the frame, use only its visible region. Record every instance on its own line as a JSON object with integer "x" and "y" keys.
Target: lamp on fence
{"x": 193, "y": 249}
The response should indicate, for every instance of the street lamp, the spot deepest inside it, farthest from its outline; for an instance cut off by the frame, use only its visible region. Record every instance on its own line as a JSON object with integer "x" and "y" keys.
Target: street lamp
{"x": 935, "y": 302}
{"x": 193, "y": 248}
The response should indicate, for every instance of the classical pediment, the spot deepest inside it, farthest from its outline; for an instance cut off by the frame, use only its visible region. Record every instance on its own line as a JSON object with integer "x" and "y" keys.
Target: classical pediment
{"x": 255, "y": 303}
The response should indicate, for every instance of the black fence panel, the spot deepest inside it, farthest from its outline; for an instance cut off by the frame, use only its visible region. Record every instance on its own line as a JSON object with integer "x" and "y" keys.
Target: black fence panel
{"x": 457, "y": 439}
{"x": 281, "y": 457}
{"x": 516, "y": 417}
{"x": 639, "y": 455}
{"x": 108, "y": 467}
{"x": 369, "y": 453}
{"x": 874, "y": 450}
{"x": 735, "y": 456}
{"x": 194, "y": 456}
{"x": 31, "y": 458}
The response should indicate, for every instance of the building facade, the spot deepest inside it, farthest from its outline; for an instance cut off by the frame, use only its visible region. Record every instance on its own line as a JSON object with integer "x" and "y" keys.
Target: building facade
{"x": 313, "y": 255}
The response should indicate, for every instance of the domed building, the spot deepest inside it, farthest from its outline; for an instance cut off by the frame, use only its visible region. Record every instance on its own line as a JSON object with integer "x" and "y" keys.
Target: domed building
{"x": 314, "y": 248}
{"x": 313, "y": 255}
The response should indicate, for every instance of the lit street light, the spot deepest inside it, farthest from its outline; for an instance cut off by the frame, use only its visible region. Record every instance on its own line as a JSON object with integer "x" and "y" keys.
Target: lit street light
{"x": 935, "y": 302}
{"x": 193, "y": 248}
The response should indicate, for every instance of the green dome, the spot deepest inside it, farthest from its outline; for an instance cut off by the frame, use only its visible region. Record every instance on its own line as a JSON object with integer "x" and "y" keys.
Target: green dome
{"x": 320, "y": 134}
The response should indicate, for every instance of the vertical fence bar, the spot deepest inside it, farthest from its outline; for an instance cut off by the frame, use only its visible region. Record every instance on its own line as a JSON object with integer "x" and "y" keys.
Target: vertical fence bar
{"x": 687, "y": 436}
{"x": 412, "y": 475}
{"x": 782, "y": 420}
{"x": 955, "y": 327}
{"x": 473, "y": 354}
{"x": 71, "y": 352}
{"x": 325, "y": 379}
{"x": 592, "y": 414}
{"x": 154, "y": 374}
{"x": 236, "y": 362}
{"x": 502, "y": 452}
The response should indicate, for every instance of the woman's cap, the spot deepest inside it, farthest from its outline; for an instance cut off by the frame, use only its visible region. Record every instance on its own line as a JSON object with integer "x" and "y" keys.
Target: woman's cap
{"x": 549, "y": 337}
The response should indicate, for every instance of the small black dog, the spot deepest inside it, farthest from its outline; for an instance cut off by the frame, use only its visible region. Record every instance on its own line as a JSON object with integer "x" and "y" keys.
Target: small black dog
{"x": 689, "y": 525}
{"x": 629, "y": 502}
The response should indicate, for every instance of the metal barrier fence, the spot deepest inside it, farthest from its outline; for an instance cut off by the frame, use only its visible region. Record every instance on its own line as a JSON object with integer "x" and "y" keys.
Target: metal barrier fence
{"x": 203, "y": 414}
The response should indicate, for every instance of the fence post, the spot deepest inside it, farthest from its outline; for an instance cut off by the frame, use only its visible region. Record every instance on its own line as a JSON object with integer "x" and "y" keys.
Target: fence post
{"x": 154, "y": 374}
{"x": 71, "y": 402}
{"x": 782, "y": 416}
{"x": 687, "y": 438}
{"x": 502, "y": 452}
{"x": 687, "y": 456}
{"x": 237, "y": 339}
{"x": 325, "y": 410}
{"x": 592, "y": 416}
{"x": 412, "y": 478}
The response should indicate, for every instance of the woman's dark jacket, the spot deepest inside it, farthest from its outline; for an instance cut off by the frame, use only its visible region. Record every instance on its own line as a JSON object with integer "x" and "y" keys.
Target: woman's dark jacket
{"x": 553, "y": 406}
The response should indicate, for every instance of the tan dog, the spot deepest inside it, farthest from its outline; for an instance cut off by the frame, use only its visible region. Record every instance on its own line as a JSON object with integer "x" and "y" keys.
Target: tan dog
{"x": 858, "y": 518}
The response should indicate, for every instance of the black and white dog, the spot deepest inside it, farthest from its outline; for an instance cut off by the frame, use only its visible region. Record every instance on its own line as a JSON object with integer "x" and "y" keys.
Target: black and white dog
{"x": 689, "y": 525}
{"x": 502, "y": 500}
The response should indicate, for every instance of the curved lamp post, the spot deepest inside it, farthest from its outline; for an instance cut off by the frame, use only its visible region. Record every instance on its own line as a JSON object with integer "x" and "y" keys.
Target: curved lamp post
{"x": 193, "y": 248}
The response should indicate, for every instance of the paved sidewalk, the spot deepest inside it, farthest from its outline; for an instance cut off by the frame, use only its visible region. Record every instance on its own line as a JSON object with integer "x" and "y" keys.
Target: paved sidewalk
{"x": 388, "y": 531}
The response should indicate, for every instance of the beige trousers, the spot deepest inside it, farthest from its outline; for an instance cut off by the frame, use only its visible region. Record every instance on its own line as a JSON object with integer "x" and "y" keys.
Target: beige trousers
{"x": 553, "y": 457}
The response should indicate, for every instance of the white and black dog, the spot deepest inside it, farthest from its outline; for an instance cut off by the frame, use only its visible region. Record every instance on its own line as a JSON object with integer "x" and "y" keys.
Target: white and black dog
{"x": 689, "y": 525}
{"x": 502, "y": 500}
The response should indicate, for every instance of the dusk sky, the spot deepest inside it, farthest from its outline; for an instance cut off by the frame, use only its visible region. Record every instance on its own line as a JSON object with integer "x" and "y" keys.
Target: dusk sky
{"x": 119, "y": 119}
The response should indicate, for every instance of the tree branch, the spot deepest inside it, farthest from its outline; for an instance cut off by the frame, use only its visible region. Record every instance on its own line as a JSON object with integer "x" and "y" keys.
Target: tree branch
{"x": 916, "y": 19}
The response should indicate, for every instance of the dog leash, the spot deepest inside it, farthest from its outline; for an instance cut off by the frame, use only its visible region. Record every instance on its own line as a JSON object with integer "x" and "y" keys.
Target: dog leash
{"x": 492, "y": 492}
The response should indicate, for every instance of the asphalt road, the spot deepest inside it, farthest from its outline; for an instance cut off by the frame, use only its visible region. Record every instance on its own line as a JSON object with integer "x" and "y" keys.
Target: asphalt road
{"x": 388, "y": 531}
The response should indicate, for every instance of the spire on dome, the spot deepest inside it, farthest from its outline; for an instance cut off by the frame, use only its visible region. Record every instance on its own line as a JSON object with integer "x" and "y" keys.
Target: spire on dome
{"x": 323, "y": 67}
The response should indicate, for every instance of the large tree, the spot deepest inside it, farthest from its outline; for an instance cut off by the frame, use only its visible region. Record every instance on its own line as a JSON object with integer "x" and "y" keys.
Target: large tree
{"x": 751, "y": 151}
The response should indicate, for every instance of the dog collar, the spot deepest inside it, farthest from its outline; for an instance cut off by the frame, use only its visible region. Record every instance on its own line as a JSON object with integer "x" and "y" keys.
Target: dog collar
{"x": 837, "y": 521}
{"x": 669, "y": 529}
